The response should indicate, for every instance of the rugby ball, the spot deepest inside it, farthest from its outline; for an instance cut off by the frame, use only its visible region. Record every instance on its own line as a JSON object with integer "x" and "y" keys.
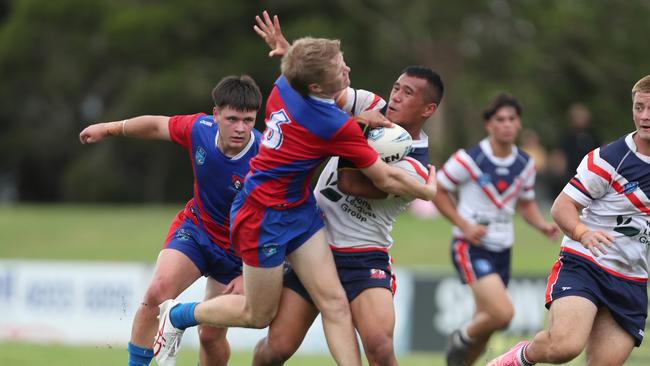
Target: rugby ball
{"x": 392, "y": 143}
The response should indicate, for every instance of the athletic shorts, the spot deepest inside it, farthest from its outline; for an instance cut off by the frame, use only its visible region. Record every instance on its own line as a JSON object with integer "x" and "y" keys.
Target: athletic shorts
{"x": 625, "y": 299}
{"x": 212, "y": 260}
{"x": 357, "y": 272}
{"x": 473, "y": 262}
{"x": 264, "y": 236}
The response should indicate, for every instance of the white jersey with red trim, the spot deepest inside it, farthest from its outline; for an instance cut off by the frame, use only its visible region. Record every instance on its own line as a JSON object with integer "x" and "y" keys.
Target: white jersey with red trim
{"x": 613, "y": 184}
{"x": 359, "y": 100}
{"x": 488, "y": 188}
{"x": 358, "y": 224}
{"x": 355, "y": 223}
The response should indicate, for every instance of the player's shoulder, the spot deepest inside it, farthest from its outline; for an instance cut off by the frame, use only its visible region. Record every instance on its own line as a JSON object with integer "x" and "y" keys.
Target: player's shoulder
{"x": 473, "y": 151}
{"x": 613, "y": 152}
{"x": 320, "y": 117}
{"x": 361, "y": 100}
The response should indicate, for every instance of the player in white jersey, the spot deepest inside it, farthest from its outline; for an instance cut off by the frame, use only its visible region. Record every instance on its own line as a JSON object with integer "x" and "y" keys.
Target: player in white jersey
{"x": 597, "y": 289}
{"x": 493, "y": 180}
{"x": 358, "y": 229}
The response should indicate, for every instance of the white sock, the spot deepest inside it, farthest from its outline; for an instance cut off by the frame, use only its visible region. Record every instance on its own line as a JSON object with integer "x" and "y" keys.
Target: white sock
{"x": 464, "y": 337}
{"x": 521, "y": 356}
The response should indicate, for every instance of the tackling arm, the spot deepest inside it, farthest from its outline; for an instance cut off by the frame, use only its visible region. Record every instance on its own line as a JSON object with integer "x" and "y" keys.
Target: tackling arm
{"x": 396, "y": 181}
{"x": 143, "y": 127}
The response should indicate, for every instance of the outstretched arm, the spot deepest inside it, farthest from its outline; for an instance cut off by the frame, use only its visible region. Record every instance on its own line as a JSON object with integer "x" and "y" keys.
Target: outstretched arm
{"x": 530, "y": 212}
{"x": 144, "y": 127}
{"x": 271, "y": 33}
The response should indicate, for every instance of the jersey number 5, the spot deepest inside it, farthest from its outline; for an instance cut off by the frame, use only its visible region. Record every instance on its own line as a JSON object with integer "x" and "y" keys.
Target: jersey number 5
{"x": 273, "y": 134}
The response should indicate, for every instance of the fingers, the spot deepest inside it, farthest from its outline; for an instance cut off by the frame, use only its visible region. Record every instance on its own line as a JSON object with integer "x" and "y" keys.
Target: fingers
{"x": 432, "y": 174}
{"x": 276, "y": 24}
{"x": 597, "y": 241}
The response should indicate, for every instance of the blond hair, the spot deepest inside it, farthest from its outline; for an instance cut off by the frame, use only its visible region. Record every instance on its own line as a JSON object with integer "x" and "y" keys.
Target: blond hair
{"x": 309, "y": 60}
{"x": 642, "y": 86}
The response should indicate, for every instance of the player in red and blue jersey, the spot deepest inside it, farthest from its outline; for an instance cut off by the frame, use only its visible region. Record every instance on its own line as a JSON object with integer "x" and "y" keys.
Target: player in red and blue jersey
{"x": 275, "y": 215}
{"x": 358, "y": 221}
{"x": 597, "y": 288}
{"x": 220, "y": 147}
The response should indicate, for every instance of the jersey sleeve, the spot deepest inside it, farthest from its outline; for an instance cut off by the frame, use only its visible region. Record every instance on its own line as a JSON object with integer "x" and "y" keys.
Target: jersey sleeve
{"x": 587, "y": 185}
{"x": 359, "y": 100}
{"x": 414, "y": 168}
{"x": 453, "y": 173}
{"x": 350, "y": 144}
{"x": 180, "y": 129}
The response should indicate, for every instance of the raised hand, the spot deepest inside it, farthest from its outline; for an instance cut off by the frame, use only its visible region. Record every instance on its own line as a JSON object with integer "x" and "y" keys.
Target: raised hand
{"x": 271, "y": 33}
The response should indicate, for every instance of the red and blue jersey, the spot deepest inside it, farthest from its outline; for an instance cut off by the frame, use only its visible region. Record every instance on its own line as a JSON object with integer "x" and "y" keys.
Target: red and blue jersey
{"x": 217, "y": 177}
{"x": 300, "y": 133}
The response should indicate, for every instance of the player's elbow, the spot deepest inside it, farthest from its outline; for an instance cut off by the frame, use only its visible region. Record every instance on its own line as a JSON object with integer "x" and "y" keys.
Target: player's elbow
{"x": 561, "y": 206}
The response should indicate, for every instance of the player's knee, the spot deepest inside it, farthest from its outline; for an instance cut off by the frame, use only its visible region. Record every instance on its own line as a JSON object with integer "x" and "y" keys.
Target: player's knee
{"x": 336, "y": 306}
{"x": 279, "y": 349}
{"x": 157, "y": 292}
{"x": 260, "y": 319}
{"x": 562, "y": 351}
{"x": 379, "y": 349}
{"x": 503, "y": 317}
{"x": 212, "y": 337}
{"x": 214, "y": 344}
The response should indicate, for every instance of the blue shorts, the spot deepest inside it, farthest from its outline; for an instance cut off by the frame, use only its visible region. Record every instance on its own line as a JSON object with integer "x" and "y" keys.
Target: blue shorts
{"x": 625, "y": 299}
{"x": 357, "y": 271}
{"x": 211, "y": 260}
{"x": 473, "y": 262}
{"x": 264, "y": 236}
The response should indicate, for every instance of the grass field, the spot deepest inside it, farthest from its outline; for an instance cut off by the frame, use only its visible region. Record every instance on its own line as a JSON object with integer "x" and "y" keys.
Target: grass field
{"x": 135, "y": 233}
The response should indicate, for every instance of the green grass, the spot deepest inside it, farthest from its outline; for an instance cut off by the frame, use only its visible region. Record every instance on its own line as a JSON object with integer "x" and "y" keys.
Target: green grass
{"x": 136, "y": 233}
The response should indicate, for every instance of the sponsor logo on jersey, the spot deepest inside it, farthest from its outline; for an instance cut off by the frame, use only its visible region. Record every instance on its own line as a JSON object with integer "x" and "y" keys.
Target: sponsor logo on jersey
{"x": 237, "y": 182}
{"x": 269, "y": 249}
{"x": 630, "y": 187}
{"x": 482, "y": 266}
{"x": 625, "y": 226}
{"x": 501, "y": 185}
{"x": 183, "y": 235}
{"x": 483, "y": 180}
{"x": 378, "y": 274}
{"x": 207, "y": 123}
{"x": 200, "y": 155}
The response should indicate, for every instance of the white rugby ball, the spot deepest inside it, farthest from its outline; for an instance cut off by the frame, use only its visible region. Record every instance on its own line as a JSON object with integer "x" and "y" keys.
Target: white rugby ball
{"x": 392, "y": 143}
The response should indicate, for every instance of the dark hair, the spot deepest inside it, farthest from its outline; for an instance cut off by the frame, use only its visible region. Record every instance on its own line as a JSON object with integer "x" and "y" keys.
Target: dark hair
{"x": 500, "y": 101}
{"x": 238, "y": 92}
{"x": 436, "y": 87}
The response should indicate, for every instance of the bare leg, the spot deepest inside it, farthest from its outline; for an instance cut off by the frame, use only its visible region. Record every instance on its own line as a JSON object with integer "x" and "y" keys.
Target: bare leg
{"x": 287, "y": 330}
{"x": 214, "y": 349}
{"x": 255, "y": 309}
{"x": 174, "y": 273}
{"x": 608, "y": 343}
{"x": 494, "y": 311}
{"x": 570, "y": 324}
{"x": 374, "y": 317}
{"x": 314, "y": 265}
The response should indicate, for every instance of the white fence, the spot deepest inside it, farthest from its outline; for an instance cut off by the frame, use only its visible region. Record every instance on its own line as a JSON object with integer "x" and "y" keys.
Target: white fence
{"x": 94, "y": 303}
